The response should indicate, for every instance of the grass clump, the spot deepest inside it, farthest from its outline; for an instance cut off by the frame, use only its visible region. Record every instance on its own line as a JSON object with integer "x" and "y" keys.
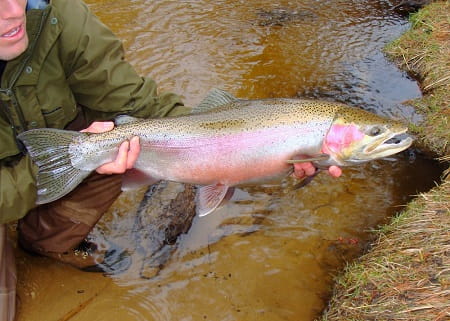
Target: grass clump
{"x": 406, "y": 276}
{"x": 424, "y": 52}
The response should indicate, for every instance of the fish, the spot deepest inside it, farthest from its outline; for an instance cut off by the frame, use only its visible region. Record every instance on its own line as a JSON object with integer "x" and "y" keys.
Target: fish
{"x": 225, "y": 142}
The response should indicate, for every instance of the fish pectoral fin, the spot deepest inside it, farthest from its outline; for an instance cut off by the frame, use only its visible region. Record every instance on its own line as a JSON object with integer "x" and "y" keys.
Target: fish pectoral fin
{"x": 135, "y": 178}
{"x": 318, "y": 158}
{"x": 210, "y": 197}
{"x": 306, "y": 180}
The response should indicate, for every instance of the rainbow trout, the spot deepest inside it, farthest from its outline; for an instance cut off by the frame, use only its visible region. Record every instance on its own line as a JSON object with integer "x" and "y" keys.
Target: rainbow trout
{"x": 225, "y": 142}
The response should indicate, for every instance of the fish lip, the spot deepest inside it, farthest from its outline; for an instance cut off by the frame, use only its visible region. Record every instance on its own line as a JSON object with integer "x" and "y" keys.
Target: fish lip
{"x": 381, "y": 146}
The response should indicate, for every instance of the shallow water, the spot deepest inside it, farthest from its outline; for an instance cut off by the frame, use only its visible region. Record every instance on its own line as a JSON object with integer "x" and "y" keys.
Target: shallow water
{"x": 271, "y": 252}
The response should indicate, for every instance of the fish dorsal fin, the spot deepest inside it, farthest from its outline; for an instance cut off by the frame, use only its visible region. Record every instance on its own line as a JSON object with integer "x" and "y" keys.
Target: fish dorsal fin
{"x": 125, "y": 119}
{"x": 215, "y": 98}
{"x": 209, "y": 198}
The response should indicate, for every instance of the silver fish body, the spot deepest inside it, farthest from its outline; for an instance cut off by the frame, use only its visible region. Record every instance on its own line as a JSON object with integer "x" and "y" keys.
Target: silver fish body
{"x": 225, "y": 142}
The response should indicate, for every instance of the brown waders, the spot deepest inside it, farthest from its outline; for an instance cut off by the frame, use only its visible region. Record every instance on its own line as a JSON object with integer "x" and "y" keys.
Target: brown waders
{"x": 61, "y": 225}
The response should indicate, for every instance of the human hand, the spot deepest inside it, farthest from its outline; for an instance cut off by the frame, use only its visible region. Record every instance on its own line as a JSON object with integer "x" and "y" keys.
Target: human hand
{"x": 128, "y": 150}
{"x": 307, "y": 169}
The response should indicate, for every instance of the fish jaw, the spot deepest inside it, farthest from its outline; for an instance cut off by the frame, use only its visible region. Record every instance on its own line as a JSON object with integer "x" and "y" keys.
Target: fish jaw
{"x": 386, "y": 146}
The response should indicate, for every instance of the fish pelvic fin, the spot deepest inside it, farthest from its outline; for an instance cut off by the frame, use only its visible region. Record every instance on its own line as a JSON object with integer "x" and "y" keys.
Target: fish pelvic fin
{"x": 49, "y": 150}
{"x": 215, "y": 98}
{"x": 210, "y": 197}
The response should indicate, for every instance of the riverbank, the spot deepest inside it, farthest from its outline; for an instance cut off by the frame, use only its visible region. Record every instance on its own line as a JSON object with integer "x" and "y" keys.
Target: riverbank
{"x": 406, "y": 274}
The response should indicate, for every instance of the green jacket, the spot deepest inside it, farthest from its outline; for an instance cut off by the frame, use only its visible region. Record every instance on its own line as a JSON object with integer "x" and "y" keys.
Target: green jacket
{"x": 73, "y": 66}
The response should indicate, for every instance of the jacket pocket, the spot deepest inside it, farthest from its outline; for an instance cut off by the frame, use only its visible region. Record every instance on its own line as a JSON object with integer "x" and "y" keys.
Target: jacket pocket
{"x": 54, "y": 117}
{"x": 59, "y": 110}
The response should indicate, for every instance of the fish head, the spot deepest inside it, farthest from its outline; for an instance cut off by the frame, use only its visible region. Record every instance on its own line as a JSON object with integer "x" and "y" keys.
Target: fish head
{"x": 358, "y": 136}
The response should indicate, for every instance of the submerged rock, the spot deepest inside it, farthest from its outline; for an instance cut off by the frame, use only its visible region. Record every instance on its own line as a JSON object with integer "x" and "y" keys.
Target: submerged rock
{"x": 165, "y": 212}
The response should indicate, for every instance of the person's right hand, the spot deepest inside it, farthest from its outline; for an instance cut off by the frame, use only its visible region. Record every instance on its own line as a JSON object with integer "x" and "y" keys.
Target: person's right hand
{"x": 307, "y": 169}
{"x": 128, "y": 150}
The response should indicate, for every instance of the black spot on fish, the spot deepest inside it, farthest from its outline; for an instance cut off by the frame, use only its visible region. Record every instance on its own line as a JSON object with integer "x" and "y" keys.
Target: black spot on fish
{"x": 222, "y": 124}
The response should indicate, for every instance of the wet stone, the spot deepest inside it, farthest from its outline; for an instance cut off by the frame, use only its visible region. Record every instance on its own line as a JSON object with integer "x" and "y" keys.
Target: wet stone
{"x": 166, "y": 212}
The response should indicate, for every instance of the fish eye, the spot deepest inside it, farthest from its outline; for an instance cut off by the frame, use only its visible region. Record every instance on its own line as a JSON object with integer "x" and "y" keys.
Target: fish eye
{"x": 374, "y": 131}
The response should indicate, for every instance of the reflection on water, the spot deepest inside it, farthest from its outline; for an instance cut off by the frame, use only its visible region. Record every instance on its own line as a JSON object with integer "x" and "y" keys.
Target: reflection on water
{"x": 270, "y": 253}
{"x": 260, "y": 49}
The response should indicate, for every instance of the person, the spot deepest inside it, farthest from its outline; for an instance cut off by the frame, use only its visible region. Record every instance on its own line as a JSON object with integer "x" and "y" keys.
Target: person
{"x": 60, "y": 67}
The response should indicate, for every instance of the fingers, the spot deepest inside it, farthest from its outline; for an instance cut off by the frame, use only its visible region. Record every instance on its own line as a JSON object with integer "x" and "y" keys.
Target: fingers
{"x": 128, "y": 151}
{"x": 126, "y": 158}
{"x": 307, "y": 169}
{"x": 335, "y": 171}
{"x": 119, "y": 165}
{"x": 133, "y": 153}
{"x": 99, "y": 127}
{"x": 304, "y": 169}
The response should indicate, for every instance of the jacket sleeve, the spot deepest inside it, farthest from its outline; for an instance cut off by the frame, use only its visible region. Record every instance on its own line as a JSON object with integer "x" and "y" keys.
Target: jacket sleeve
{"x": 99, "y": 76}
{"x": 17, "y": 189}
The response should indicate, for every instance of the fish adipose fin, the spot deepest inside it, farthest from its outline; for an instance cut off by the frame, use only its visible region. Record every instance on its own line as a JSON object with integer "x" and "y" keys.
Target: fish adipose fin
{"x": 215, "y": 98}
{"x": 135, "y": 178}
{"x": 211, "y": 197}
{"x": 49, "y": 150}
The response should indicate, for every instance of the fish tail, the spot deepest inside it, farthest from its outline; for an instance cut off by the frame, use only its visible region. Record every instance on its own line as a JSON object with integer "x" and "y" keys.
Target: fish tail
{"x": 49, "y": 150}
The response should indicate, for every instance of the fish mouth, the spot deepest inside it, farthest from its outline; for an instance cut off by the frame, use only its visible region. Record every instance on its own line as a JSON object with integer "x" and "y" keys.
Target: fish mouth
{"x": 389, "y": 144}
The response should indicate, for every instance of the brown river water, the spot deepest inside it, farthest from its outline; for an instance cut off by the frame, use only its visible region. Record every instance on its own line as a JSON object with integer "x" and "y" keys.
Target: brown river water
{"x": 272, "y": 251}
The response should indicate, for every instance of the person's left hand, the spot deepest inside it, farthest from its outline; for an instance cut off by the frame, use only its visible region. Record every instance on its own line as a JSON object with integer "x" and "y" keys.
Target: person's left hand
{"x": 128, "y": 150}
{"x": 307, "y": 169}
